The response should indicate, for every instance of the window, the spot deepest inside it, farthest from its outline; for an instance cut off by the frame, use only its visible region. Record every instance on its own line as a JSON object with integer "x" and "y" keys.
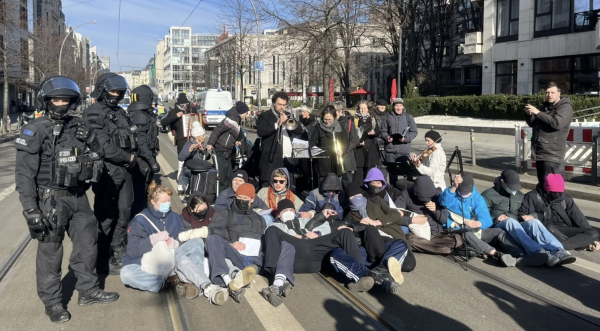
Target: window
{"x": 576, "y": 74}
{"x": 453, "y": 77}
{"x": 585, "y": 14}
{"x": 508, "y": 20}
{"x": 473, "y": 76}
{"x": 552, "y": 17}
{"x": 506, "y": 77}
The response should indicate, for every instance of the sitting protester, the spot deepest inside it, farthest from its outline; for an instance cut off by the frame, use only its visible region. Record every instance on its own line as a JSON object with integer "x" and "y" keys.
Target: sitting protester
{"x": 227, "y": 197}
{"x": 376, "y": 184}
{"x": 278, "y": 190}
{"x": 194, "y": 149}
{"x": 560, "y": 215}
{"x": 226, "y": 230}
{"x": 330, "y": 191}
{"x": 467, "y": 210}
{"x": 189, "y": 257}
{"x": 311, "y": 244}
{"x": 197, "y": 214}
{"x": 503, "y": 201}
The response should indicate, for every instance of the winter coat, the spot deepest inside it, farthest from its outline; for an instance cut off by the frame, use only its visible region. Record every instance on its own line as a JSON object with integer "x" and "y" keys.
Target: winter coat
{"x": 347, "y": 142}
{"x": 437, "y": 219}
{"x": 196, "y": 154}
{"x": 378, "y": 209}
{"x": 300, "y": 226}
{"x": 226, "y": 133}
{"x": 233, "y": 224}
{"x": 500, "y": 202}
{"x": 192, "y": 222}
{"x": 349, "y": 157}
{"x": 319, "y": 196}
{"x": 562, "y": 211}
{"x": 226, "y": 198}
{"x": 271, "y": 145}
{"x": 139, "y": 231}
{"x": 175, "y": 123}
{"x": 367, "y": 156}
{"x": 380, "y": 117}
{"x": 147, "y": 134}
{"x": 309, "y": 126}
{"x": 550, "y": 131}
{"x": 434, "y": 166}
{"x": 263, "y": 194}
{"x": 472, "y": 208}
{"x": 396, "y": 124}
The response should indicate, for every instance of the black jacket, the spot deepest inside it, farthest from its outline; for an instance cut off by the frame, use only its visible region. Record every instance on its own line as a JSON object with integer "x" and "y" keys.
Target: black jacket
{"x": 272, "y": 150}
{"x": 175, "y": 123}
{"x": 436, "y": 219}
{"x": 147, "y": 134}
{"x": 225, "y": 135}
{"x": 367, "y": 156}
{"x": 500, "y": 202}
{"x": 309, "y": 126}
{"x": 233, "y": 223}
{"x": 324, "y": 140}
{"x": 550, "y": 131}
{"x": 562, "y": 211}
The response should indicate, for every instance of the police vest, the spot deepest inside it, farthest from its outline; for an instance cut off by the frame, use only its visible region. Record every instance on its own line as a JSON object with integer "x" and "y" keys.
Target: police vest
{"x": 121, "y": 130}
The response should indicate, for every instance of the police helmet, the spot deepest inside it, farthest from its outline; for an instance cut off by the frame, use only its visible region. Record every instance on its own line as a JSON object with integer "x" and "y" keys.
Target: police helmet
{"x": 110, "y": 82}
{"x": 58, "y": 87}
{"x": 142, "y": 98}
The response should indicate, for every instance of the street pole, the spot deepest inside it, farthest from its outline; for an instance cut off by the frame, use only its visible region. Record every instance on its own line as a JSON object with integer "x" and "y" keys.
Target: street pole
{"x": 400, "y": 62}
{"x": 63, "y": 44}
{"x": 257, "y": 56}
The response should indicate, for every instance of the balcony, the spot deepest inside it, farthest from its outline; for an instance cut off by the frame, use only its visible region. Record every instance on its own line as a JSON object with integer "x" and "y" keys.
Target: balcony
{"x": 473, "y": 43}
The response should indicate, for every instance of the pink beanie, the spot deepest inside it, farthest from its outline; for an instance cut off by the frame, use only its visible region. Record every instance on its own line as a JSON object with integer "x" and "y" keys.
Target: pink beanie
{"x": 554, "y": 183}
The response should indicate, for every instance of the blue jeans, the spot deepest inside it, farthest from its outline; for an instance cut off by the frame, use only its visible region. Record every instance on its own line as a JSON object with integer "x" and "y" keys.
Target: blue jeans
{"x": 531, "y": 235}
{"x": 132, "y": 275}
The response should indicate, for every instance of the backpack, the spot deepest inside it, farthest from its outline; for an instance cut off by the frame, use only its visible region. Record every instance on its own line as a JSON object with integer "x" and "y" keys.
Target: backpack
{"x": 441, "y": 243}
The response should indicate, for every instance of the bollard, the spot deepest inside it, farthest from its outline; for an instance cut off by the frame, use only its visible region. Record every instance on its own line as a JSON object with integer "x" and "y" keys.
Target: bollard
{"x": 432, "y": 128}
{"x": 473, "y": 162}
{"x": 595, "y": 160}
{"x": 517, "y": 148}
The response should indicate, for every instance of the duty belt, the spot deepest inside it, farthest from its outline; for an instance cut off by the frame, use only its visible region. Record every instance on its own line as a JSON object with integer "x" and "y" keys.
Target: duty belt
{"x": 46, "y": 193}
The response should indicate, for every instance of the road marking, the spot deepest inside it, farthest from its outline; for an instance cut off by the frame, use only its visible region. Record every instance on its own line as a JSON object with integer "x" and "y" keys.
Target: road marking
{"x": 587, "y": 265}
{"x": 164, "y": 165}
{"x": 7, "y": 191}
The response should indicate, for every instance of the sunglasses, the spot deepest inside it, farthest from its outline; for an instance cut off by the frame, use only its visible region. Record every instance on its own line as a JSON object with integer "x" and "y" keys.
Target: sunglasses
{"x": 275, "y": 181}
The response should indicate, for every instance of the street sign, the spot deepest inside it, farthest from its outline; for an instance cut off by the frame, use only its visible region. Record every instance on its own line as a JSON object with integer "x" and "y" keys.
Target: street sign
{"x": 259, "y": 66}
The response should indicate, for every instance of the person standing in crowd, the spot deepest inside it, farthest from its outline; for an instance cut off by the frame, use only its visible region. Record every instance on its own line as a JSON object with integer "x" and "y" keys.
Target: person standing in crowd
{"x": 379, "y": 112}
{"x": 338, "y": 150}
{"x": 551, "y": 127}
{"x": 175, "y": 123}
{"x": 398, "y": 131}
{"x": 113, "y": 194}
{"x": 45, "y": 147}
{"x": 276, "y": 140}
{"x": 347, "y": 123}
{"x": 278, "y": 190}
{"x": 308, "y": 120}
{"x": 367, "y": 151}
{"x": 224, "y": 138}
{"x": 504, "y": 201}
{"x": 560, "y": 215}
{"x": 142, "y": 115}
{"x": 433, "y": 165}
{"x": 194, "y": 149}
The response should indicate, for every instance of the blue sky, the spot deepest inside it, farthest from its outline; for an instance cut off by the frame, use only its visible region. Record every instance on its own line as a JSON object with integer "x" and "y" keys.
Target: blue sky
{"x": 143, "y": 23}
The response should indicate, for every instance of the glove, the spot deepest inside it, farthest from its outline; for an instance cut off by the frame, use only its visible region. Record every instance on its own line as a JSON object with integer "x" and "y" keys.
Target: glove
{"x": 155, "y": 167}
{"x": 133, "y": 160}
{"x": 86, "y": 135}
{"x": 172, "y": 243}
{"x": 36, "y": 221}
{"x": 194, "y": 233}
{"x": 156, "y": 237}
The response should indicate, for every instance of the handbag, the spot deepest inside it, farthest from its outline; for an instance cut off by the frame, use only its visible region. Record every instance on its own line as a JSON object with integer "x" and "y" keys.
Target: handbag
{"x": 160, "y": 260}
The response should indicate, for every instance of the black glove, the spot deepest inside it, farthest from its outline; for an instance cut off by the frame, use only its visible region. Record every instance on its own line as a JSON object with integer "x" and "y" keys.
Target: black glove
{"x": 86, "y": 135}
{"x": 133, "y": 160}
{"x": 155, "y": 167}
{"x": 36, "y": 221}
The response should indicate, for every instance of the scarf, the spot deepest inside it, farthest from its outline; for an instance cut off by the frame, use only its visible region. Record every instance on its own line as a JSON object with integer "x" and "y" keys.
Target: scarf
{"x": 333, "y": 127}
{"x": 235, "y": 126}
{"x": 272, "y": 198}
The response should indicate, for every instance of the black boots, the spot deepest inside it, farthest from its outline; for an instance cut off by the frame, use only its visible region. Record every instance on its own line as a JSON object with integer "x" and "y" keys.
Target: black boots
{"x": 57, "y": 313}
{"x": 97, "y": 296}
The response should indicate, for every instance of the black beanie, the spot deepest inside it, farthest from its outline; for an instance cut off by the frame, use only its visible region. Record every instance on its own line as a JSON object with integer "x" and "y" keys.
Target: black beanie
{"x": 182, "y": 98}
{"x": 352, "y": 189}
{"x": 285, "y": 204}
{"x": 433, "y": 135}
{"x": 240, "y": 174}
{"x": 241, "y": 107}
{"x": 382, "y": 102}
{"x": 328, "y": 206}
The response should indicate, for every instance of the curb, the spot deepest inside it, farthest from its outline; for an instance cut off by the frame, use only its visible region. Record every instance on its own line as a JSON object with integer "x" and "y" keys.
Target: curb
{"x": 476, "y": 129}
{"x": 9, "y": 137}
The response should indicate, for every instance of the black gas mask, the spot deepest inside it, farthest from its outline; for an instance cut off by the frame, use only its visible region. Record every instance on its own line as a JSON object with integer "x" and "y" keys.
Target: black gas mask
{"x": 375, "y": 189}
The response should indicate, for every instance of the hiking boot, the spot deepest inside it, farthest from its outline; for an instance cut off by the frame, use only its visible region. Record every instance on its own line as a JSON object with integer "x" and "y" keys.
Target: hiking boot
{"x": 191, "y": 291}
{"x": 273, "y": 295}
{"x": 533, "y": 260}
{"x": 505, "y": 260}
{"x": 395, "y": 269}
{"x": 385, "y": 280}
{"x": 98, "y": 296}
{"x": 216, "y": 294}
{"x": 564, "y": 257}
{"x": 286, "y": 289}
{"x": 243, "y": 278}
{"x": 57, "y": 313}
{"x": 114, "y": 266}
{"x": 173, "y": 280}
{"x": 238, "y": 295}
{"x": 363, "y": 285}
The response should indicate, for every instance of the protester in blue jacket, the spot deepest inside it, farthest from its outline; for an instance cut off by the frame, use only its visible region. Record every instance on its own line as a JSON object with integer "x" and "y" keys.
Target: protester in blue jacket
{"x": 330, "y": 191}
{"x": 468, "y": 209}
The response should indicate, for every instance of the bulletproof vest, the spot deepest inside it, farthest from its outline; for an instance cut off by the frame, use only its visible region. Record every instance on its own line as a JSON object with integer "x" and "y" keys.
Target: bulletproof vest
{"x": 121, "y": 130}
{"x": 66, "y": 161}
{"x": 149, "y": 127}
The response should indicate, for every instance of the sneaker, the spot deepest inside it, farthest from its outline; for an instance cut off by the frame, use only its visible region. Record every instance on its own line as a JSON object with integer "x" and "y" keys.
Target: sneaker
{"x": 273, "y": 295}
{"x": 533, "y": 260}
{"x": 363, "y": 285}
{"x": 286, "y": 289}
{"x": 506, "y": 260}
{"x": 385, "y": 280}
{"x": 564, "y": 257}
{"x": 57, "y": 313}
{"x": 238, "y": 295}
{"x": 552, "y": 259}
{"x": 395, "y": 269}
{"x": 243, "y": 278}
{"x": 216, "y": 294}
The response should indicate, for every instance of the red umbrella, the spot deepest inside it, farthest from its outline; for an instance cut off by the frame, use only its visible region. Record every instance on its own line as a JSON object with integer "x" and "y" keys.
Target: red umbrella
{"x": 331, "y": 89}
{"x": 394, "y": 90}
{"x": 362, "y": 91}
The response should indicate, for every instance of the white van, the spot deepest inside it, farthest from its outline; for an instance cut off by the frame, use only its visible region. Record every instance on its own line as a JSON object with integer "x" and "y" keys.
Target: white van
{"x": 213, "y": 105}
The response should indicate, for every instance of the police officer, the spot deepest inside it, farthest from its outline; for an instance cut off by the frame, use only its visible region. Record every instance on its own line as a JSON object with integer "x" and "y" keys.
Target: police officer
{"x": 142, "y": 114}
{"x": 113, "y": 195}
{"x": 56, "y": 155}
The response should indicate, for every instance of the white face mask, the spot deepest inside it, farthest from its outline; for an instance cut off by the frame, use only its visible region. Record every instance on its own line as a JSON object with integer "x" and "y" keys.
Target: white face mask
{"x": 509, "y": 191}
{"x": 287, "y": 216}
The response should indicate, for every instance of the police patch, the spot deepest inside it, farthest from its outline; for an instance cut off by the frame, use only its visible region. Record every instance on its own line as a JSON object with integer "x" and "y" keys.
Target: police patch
{"x": 29, "y": 133}
{"x": 21, "y": 141}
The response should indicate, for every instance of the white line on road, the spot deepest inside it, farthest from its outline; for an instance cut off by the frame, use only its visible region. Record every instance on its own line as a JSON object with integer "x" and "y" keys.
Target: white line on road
{"x": 7, "y": 191}
{"x": 587, "y": 265}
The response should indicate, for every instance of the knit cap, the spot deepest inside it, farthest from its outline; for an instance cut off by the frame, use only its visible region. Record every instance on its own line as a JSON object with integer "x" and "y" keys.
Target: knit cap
{"x": 554, "y": 183}
{"x": 246, "y": 189}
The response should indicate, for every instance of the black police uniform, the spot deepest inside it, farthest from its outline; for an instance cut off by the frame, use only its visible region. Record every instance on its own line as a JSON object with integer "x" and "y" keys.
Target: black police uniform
{"x": 113, "y": 195}
{"x": 147, "y": 139}
{"x": 51, "y": 169}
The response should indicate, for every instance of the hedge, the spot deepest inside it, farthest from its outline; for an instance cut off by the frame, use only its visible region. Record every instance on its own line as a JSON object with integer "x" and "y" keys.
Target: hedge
{"x": 496, "y": 106}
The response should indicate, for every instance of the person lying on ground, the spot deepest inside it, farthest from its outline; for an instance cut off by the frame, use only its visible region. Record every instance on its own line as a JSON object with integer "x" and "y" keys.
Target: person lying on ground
{"x": 330, "y": 191}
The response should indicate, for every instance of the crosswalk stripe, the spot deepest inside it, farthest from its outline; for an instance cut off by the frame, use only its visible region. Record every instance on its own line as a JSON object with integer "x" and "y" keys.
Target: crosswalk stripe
{"x": 7, "y": 191}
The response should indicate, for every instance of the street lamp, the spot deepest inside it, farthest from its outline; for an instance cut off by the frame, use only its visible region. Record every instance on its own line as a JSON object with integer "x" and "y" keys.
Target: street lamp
{"x": 257, "y": 55}
{"x": 63, "y": 44}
